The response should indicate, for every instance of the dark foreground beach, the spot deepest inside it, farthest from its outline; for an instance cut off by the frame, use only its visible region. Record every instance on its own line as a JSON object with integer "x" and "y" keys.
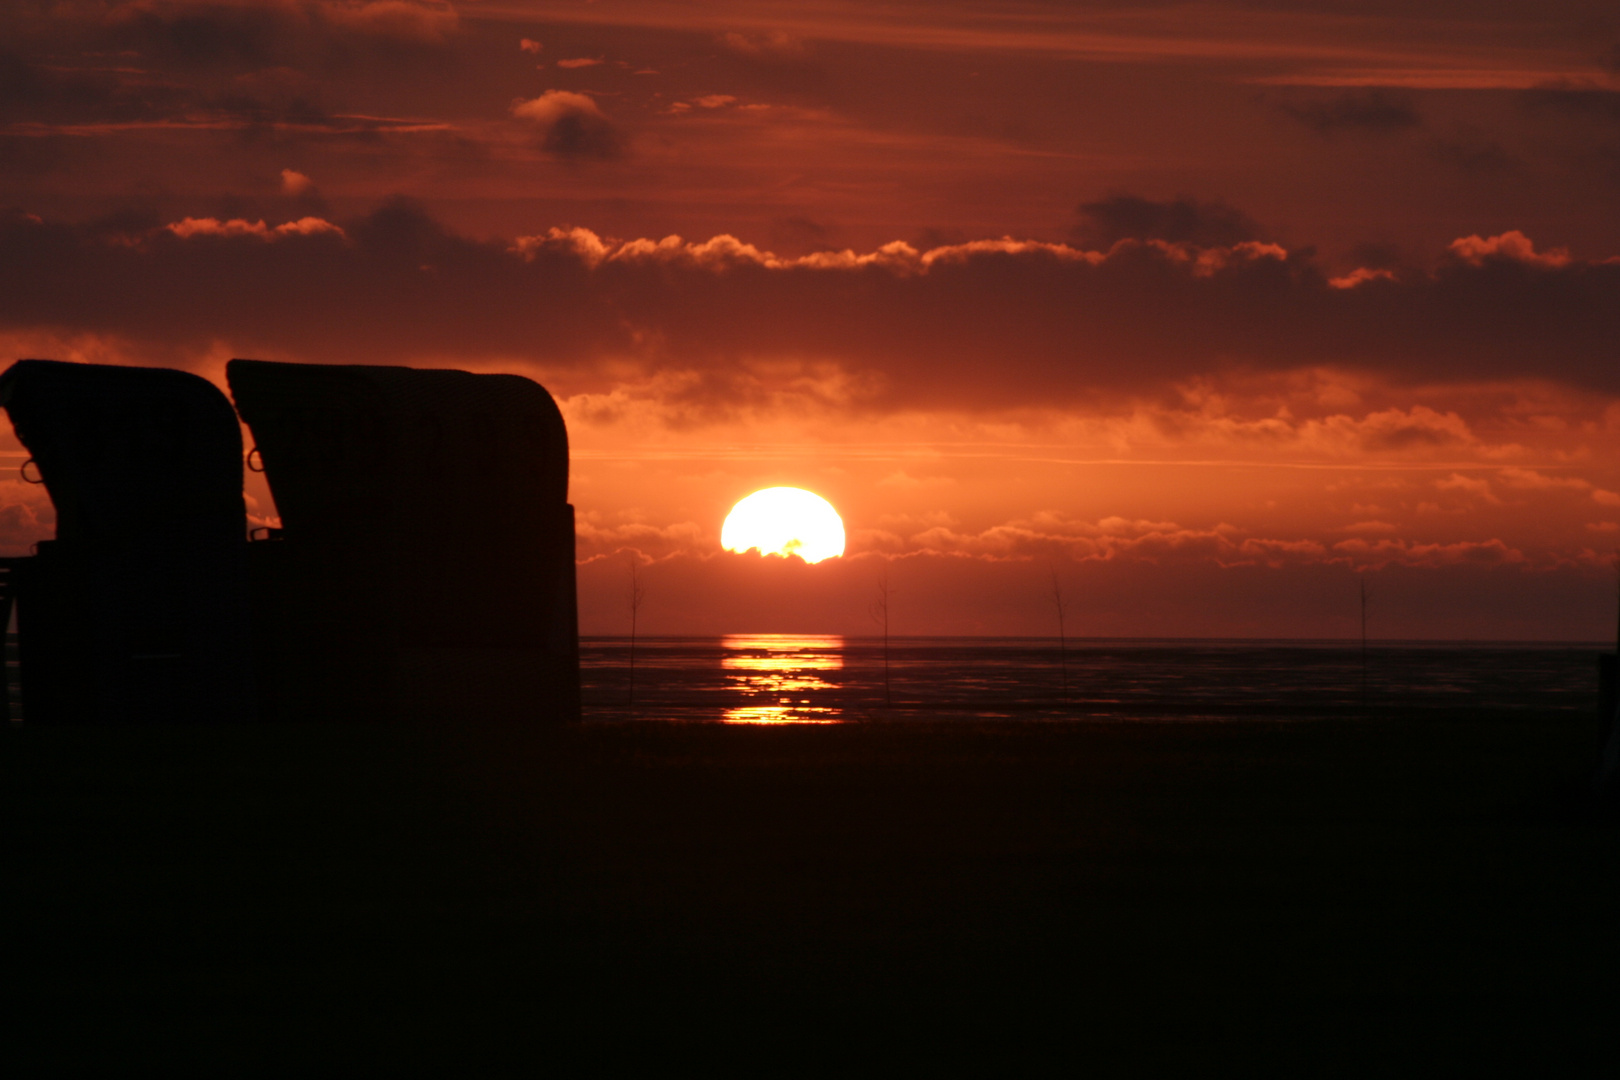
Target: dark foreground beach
{"x": 1328, "y": 898}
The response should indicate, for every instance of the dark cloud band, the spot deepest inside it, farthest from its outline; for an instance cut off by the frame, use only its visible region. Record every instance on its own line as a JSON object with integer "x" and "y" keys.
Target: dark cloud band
{"x": 992, "y": 324}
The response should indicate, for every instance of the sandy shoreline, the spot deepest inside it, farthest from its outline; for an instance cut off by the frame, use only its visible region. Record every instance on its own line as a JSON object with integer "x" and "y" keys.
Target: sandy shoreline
{"x": 1319, "y": 897}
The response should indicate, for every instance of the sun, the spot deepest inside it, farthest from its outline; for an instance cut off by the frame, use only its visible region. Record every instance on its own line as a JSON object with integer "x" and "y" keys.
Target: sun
{"x": 785, "y": 521}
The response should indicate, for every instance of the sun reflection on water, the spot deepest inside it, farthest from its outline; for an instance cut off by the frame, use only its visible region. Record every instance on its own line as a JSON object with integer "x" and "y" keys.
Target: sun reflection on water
{"x": 781, "y": 677}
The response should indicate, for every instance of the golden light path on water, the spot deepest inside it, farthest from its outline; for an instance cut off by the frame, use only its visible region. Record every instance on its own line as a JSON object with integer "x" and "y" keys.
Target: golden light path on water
{"x": 777, "y": 673}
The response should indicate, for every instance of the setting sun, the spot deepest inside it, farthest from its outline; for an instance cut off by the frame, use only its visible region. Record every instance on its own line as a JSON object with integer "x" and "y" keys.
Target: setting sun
{"x": 785, "y": 521}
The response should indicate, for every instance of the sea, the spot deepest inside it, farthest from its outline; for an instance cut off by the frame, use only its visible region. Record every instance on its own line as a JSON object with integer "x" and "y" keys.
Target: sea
{"x": 830, "y": 679}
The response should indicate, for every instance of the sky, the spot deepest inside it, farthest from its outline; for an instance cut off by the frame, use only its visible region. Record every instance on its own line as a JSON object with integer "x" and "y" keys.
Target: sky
{"x": 1207, "y": 314}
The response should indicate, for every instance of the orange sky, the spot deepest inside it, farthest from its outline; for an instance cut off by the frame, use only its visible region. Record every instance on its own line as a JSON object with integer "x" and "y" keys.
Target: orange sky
{"x": 1209, "y": 308}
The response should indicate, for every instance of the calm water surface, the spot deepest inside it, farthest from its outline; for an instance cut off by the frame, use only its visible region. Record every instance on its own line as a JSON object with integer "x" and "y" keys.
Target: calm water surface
{"x": 776, "y": 679}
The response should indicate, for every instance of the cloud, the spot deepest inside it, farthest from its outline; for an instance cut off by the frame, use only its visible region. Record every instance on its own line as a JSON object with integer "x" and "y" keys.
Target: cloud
{"x": 94, "y": 72}
{"x": 1473, "y": 485}
{"x": 1381, "y": 553}
{"x": 398, "y": 19}
{"x": 1405, "y": 429}
{"x": 1361, "y": 275}
{"x": 295, "y": 183}
{"x": 800, "y": 232}
{"x": 596, "y": 537}
{"x": 187, "y": 228}
{"x": 85, "y": 103}
{"x": 580, "y": 62}
{"x": 574, "y": 127}
{"x": 1183, "y": 220}
{"x": 1471, "y": 151}
{"x": 1449, "y": 596}
{"x": 48, "y": 94}
{"x": 774, "y": 43}
{"x": 1578, "y": 102}
{"x": 530, "y": 46}
{"x": 1415, "y": 433}
{"x": 1042, "y": 538}
{"x": 208, "y": 34}
{"x": 553, "y": 105}
{"x": 1591, "y": 136}
{"x": 1374, "y": 111}
{"x": 1376, "y": 256}
{"x": 902, "y": 480}
{"x": 1531, "y": 480}
{"x": 1521, "y": 479}
{"x": 984, "y": 325}
{"x": 1116, "y": 540}
{"x": 217, "y": 34}
{"x": 708, "y": 101}
{"x": 1051, "y": 536}
{"x": 1512, "y": 246}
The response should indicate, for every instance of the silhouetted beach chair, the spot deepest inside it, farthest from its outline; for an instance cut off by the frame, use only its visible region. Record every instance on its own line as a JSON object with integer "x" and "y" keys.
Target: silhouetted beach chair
{"x": 425, "y": 564}
{"x": 137, "y": 610}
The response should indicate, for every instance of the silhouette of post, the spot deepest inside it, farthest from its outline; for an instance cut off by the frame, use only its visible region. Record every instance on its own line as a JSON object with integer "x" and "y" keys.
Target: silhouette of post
{"x": 425, "y": 564}
{"x": 1063, "y": 637}
{"x": 1608, "y": 684}
{"x": 137, "y": 610}
{"x": 635, "y": 597}
{"x": 879, "y": 613}
{"x": 1366, "y": 594}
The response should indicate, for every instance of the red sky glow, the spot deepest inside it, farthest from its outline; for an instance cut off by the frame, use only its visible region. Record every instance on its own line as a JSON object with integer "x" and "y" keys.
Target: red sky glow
{"x": 1212, "y": 309}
